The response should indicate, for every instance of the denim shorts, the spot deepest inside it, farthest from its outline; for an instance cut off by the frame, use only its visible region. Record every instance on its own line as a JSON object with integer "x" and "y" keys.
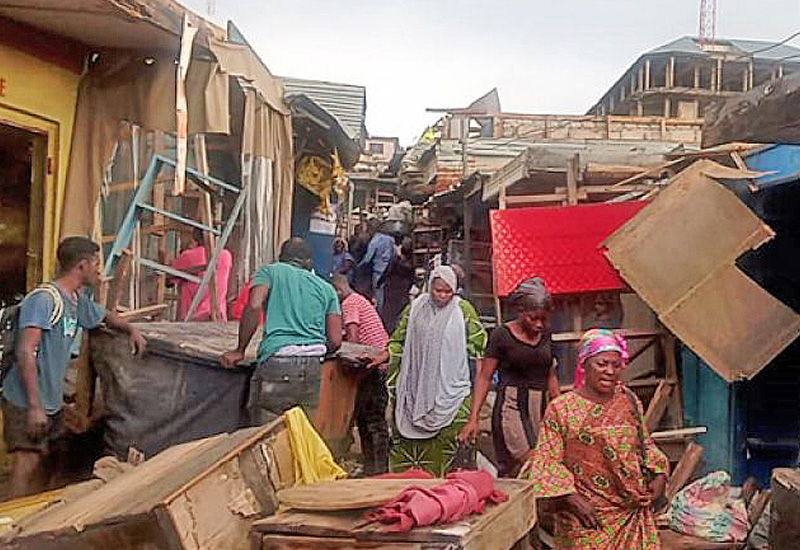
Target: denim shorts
{"x": 280, "y": 383}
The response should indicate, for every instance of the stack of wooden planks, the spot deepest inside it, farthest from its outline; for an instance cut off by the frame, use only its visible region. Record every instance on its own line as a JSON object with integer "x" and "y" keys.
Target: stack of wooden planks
{"x": 500, "y": 527}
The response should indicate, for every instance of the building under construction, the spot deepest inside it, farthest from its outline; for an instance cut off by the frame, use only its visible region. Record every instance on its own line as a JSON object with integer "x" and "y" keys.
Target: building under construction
{"x": 682, "y": 78}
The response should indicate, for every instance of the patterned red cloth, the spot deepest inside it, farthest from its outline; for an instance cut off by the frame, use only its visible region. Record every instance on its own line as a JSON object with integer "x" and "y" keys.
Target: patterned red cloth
{"x": 559, "y": 244}
{"x": 357, "y": 309}
{"x": 462, "y": 494}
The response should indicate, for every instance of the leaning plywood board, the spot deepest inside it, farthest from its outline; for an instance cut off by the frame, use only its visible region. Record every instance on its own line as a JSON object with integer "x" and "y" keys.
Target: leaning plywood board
{"x": 201, "y": 494}
{"x": 498, "y": 528}
{"x": 678, "y": 254}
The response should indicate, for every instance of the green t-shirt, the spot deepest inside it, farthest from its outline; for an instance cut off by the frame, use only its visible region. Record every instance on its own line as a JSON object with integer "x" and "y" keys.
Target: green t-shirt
{"x": 298, "y": 306}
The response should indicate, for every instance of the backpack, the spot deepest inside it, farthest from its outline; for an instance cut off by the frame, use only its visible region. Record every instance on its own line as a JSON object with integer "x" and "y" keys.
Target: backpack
{"x": 9, "y": 324}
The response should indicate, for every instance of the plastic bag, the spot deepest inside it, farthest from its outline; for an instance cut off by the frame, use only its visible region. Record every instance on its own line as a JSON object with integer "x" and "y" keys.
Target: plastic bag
{"x": 708, "y": 509}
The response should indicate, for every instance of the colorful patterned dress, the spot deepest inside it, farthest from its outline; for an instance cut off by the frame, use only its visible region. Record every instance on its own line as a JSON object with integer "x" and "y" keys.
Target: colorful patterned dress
{"x": 602, "y": 452}
{"x": 436, "y": 454}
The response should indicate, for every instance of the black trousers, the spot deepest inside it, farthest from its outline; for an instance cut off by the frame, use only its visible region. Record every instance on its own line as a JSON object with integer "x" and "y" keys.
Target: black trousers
{"x": 373, "y": 431}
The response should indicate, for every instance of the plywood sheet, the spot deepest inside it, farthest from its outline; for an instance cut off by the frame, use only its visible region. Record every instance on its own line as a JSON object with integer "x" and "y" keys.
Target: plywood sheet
{"x": 678, "y": 254}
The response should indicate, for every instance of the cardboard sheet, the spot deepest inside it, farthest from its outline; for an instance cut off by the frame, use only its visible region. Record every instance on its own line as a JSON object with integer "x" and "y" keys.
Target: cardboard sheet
{"x": 679, "y": 255}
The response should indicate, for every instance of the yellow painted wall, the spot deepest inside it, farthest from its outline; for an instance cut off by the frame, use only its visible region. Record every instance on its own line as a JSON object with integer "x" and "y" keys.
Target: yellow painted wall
{"x": 39, "y": 94}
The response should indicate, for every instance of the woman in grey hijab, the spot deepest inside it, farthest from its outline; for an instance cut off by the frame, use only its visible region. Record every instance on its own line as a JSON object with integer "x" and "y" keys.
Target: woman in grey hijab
{"x": 436, "y": 335}
{"x": 521, "y": 351}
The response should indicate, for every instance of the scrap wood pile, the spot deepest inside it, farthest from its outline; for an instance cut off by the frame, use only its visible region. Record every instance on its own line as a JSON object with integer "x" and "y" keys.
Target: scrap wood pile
{"x": 213, "y": 492}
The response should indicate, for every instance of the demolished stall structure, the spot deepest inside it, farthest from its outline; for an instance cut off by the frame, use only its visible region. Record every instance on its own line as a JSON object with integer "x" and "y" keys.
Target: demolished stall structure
{"x": 114, "y": 73}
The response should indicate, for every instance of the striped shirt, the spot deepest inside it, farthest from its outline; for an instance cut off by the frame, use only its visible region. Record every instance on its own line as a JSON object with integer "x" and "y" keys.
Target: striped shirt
{"x": 357, "y": 309}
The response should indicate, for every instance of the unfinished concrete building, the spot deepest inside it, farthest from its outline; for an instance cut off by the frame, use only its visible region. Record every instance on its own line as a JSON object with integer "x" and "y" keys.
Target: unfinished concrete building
{"x": 680, "y": 79}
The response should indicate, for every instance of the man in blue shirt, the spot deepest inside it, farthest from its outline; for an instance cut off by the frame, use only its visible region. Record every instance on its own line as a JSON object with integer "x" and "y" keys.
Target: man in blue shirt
{"x": 380, "y": 252}
{"x": 33, "y": 389}
{"x": 303, "y": 322}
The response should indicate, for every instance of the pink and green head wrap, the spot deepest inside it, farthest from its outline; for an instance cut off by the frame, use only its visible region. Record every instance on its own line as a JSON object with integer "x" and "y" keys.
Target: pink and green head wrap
{"x": 594, "y": 341}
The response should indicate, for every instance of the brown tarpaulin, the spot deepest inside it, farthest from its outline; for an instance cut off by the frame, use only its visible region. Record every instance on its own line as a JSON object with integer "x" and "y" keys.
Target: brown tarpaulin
{"x": 140, "y": 89}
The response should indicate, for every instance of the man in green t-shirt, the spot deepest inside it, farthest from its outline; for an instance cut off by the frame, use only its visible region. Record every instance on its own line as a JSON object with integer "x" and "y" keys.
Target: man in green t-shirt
{"x": 303, "y": 323}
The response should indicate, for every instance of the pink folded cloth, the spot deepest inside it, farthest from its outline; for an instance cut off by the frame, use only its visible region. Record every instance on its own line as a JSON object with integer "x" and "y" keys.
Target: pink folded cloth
{"x": 462, "y": 494}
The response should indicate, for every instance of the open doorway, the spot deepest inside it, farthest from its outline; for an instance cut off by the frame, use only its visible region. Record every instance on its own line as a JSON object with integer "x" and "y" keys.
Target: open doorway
{"x": 21, "y": 214}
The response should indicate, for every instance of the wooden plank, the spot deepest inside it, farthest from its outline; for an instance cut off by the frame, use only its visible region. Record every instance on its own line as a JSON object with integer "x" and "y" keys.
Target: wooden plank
{"x": 283, "y": 542}
{"x": 337, "y": 398}
{"x": 207, "y": 216}
{"x": 573, "y": 174}
{"x": 348, "y": 494}
{"x": 677, "y": 434}
{"x": 146, "y": 312}
{"x": 121, "y": 272}
{"x": 683, "y": 471}
{"x": 658, "y": 406}
{"x": 630, "y": 334}
{"x": 517, "y": 200}
{"x": 84, "y": 387}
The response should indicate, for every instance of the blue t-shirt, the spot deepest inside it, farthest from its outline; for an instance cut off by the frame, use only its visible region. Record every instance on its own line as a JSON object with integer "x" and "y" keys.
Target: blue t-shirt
{"x": 298, "y": 306}
{"x": 54, "y": 346}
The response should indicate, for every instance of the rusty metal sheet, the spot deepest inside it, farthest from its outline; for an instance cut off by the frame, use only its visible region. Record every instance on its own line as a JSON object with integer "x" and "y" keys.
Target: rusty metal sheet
{"x": 678, "y": 254}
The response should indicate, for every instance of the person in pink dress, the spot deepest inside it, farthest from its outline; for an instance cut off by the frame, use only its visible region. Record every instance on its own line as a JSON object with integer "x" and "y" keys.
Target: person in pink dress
{"x": 193, "y": 261}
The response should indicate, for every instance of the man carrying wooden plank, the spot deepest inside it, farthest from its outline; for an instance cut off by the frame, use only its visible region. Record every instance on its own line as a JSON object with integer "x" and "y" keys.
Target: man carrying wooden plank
{"x": 363, "y": 325}
{"x": 33, "y": 391}
{"x": 303, "y": 324}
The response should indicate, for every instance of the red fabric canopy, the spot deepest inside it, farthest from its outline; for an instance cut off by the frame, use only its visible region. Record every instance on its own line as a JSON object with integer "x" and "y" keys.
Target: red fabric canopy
{"x": 559, "y": 244}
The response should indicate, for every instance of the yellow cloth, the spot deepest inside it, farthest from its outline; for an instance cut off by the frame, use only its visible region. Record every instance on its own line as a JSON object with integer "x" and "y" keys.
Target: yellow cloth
{"x": 313, "y": 461}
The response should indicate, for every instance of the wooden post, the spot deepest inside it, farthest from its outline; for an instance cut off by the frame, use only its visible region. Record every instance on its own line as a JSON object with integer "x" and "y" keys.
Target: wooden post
{"x": 118, "y": 282}
{"x": 207, "y": 212}
{"x": 719, "y": 75}
{"x": 467, "y": 247}
{"x": 573, "y": 174}
{"x": 658, "y": 406}
{"x": 639, "y": 107}
{"x": 667, "y": 107}
{"x": 696, "y": 76}
{"x": 670, "y": 363}
{"x": 646, "y": 74}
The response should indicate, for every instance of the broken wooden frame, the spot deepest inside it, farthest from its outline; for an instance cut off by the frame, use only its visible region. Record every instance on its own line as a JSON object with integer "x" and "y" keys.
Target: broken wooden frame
{"x": 694, "y": 231}
{"x": 199, "y": 494}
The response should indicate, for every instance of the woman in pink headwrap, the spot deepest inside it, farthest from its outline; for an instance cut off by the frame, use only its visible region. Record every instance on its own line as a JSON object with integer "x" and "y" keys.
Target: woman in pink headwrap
{"x": 594, "y": 458}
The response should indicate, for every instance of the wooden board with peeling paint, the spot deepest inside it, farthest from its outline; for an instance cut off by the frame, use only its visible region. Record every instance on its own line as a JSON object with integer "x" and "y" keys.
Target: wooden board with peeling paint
{"x": 202, "y": 494}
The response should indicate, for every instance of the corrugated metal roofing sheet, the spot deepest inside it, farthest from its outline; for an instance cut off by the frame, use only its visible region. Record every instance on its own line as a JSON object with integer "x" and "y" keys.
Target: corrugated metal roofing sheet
{"x": 760, "y": 49}
{"x": 347, "y": 103}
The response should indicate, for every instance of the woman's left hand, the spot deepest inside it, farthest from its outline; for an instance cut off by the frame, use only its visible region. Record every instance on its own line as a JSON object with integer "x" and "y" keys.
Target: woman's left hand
{"x": 657, "y": 486}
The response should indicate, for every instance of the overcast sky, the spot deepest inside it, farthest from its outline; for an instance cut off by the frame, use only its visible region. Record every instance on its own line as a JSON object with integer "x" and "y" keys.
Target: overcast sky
{"x": 551, "y": 56}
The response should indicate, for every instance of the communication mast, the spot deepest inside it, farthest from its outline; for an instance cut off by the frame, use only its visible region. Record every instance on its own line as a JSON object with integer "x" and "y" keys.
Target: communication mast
{"x": 708, "y": 22}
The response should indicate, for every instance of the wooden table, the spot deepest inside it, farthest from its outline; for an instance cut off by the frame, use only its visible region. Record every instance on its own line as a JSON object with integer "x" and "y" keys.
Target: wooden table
{"x": 498, "y": 528}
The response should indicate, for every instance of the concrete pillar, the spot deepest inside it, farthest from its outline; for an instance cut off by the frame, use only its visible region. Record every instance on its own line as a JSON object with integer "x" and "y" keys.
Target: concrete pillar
{"x": 647, "y": 74}
{"x": 719, "y": 75}
{"x": 667, "y": 107}
{"x": 639, "y": 108}
{"x": 671, "y": 73}
{"x": 696, "y": 75}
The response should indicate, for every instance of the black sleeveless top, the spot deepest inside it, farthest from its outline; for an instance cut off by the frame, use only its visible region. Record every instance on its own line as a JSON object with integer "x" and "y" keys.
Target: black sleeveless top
{"x": 519, "y": 363}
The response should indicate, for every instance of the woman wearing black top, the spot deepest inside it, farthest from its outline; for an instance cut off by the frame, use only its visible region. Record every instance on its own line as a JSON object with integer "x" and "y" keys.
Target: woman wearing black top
{"x": 521, "y": 351}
